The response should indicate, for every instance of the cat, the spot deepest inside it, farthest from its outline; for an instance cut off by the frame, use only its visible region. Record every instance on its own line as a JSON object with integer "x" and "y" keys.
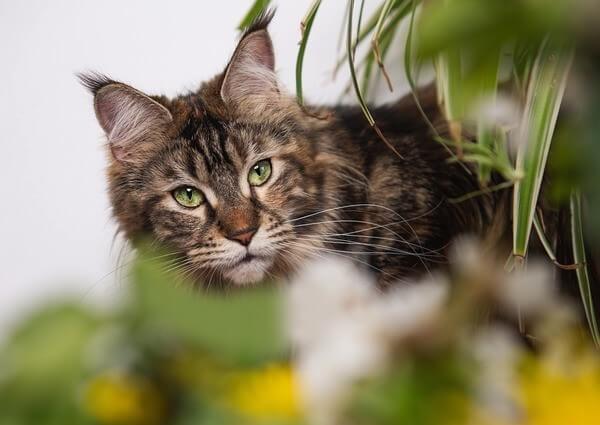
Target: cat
{"x": 245, "y": 185}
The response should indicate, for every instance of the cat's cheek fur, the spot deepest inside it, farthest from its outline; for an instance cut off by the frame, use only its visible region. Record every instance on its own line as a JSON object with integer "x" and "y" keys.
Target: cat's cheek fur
{"x": 263, "y": 244}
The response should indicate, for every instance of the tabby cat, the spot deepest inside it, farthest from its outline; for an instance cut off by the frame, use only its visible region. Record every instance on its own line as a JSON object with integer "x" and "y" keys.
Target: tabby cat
{"x": 246, "y": 185}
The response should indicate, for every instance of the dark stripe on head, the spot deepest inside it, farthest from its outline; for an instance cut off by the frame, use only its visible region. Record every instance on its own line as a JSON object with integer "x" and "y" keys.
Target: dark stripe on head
{"x": 190, "y": 162}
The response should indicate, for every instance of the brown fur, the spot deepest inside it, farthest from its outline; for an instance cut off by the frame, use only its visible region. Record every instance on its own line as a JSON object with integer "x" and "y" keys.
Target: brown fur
{"x": 336, "y": 188}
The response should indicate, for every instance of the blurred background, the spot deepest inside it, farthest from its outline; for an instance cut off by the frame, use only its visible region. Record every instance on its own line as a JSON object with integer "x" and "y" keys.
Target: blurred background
{"x": 329, "y": 348}
{"x": 55, "y": 226}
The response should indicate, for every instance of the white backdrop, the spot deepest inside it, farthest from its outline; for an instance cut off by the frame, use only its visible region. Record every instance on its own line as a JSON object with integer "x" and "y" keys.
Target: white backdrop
{"x": 55, "y": 226}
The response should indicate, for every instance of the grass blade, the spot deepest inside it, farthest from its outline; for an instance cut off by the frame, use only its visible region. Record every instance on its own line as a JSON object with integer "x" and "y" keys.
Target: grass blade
{"x": 349, "y": 53}
{"x": 409, "y": 66}
{"x": 385, "y": 42}
{"x": 306, "y": 27}
{"x": 539, "y": 229}
{"x": 357, "y": 91}
{"x": 257, "y": 7}
{"x": 582, "y": 272}
{"x": 449, "y": 81}
{"x": 544, "y": 96}
{"x": 487, "y": 134}
{"x": 359, "y": 24}
{"x": 385, "y": 11}
{"x": 363, "y": 33}
{"x": 538, "y": 224}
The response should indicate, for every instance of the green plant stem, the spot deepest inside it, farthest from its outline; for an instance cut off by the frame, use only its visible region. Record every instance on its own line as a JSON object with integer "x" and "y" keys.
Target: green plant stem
{"x": 357, "y": 91}
{"x": 307, "y": 23}
{"x": 257, "y": 7}
{"x": 545, "y": 93}
{"x": 582, "y": 271}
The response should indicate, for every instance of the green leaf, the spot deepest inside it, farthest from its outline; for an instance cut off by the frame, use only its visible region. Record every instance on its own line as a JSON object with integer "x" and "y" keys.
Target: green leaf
{"x": 385, "y": 42}
{"x": 245, "y": 327}
{"x": 449, "y": 78}
{"x": 362, "y": 35}
{"x": 48, "y": 349}
{"x": 43, "y": 363}
{"x": 307, "y": 23}
{"x": 544, "y": 96}
{"x": 257, "y": 7}
{"x": 355, "y": 84}
{"x": 487, "y": 135}
{"x": 365, "y": 30}
{"x": 482, "y": 25}
{"x": 579, "y": 256}
{"x": 430, "y": 390}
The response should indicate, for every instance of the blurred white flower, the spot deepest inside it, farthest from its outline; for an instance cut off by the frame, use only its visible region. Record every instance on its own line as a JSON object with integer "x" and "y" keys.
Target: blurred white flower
{"x": 466, "y": 255}
{"x": 407, "y": 309}
{"x": 503, "y": 112}
{"x": 527, "y": 292}
{"x": 530, "y": 291}
{"x": 344, "y": 330}
{"x": 498, "y": 111}
{"x": 324, "y": 290}
{"x": 497, "y": 353}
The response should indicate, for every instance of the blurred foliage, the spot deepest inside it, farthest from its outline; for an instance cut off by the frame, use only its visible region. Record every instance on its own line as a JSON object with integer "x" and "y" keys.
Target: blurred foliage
{"x": 408, "y": 393}
{"x": 169, "y": 355}
{"x": 245, "y": 326}
{"x": 590, "y": 153}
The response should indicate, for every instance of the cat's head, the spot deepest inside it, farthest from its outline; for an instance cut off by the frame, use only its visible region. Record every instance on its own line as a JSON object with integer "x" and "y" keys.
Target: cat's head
{"x": 223, "y": 175}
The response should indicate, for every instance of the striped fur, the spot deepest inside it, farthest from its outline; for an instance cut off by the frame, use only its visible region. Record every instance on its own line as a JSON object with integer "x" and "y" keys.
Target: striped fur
{"x": 336, "y": 188}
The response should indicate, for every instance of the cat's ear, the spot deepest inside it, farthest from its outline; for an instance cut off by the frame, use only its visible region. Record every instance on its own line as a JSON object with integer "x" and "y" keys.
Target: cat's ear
{"x": 251, "y": 70}
{"x": 130, "y": 119}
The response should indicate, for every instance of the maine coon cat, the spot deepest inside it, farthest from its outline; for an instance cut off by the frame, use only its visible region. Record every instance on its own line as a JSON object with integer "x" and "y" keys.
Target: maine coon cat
{"x": 245, "y": 185}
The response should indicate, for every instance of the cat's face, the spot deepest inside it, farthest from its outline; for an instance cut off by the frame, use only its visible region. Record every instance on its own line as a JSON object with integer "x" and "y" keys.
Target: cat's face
{"x": 224, "y": 176}
{"x": 228, "y": 197}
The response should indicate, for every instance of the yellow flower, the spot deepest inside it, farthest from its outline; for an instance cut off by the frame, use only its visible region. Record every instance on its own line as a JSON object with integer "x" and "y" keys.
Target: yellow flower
{"x": 121, "y": 399}
{"x": 270, "y": 392}
{"x": 570, "y": 395}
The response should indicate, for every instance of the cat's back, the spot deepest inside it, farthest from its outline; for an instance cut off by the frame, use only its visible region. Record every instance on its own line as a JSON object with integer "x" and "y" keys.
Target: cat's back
{"x": 406, "y": 157}
{"x": 411, "y": 184}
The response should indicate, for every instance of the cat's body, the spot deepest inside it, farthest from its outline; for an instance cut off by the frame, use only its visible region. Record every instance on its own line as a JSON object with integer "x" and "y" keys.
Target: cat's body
{"x": 245, "y": 184}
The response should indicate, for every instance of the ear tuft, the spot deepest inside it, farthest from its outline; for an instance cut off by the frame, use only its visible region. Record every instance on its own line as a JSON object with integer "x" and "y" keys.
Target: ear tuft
{"x": 260, "y": 22}
{"x": 251, "y": 70}
{"x": 94, "y": 81}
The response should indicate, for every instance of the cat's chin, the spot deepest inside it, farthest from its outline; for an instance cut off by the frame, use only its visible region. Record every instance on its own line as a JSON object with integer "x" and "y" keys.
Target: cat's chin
{"x": 248, "y": 272}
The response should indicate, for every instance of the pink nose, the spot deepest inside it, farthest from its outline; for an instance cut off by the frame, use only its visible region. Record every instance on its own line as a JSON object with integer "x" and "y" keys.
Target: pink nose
{"x": 244, "y": 236}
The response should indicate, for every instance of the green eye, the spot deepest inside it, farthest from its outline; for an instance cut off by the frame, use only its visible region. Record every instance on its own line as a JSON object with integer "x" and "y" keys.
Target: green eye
{"x": 259, "y": 173}
{"x": 188, "y": 196}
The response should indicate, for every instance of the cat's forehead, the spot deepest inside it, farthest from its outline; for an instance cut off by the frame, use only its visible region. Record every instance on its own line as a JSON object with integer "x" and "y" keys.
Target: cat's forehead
{"x": 210, "y": 150}
{"x": 222, "y": 142}
{"x": 208, "y": 146}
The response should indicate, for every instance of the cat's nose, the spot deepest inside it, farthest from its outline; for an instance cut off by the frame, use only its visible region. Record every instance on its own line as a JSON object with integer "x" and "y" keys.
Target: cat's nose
{"x": 243, "y": 236}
